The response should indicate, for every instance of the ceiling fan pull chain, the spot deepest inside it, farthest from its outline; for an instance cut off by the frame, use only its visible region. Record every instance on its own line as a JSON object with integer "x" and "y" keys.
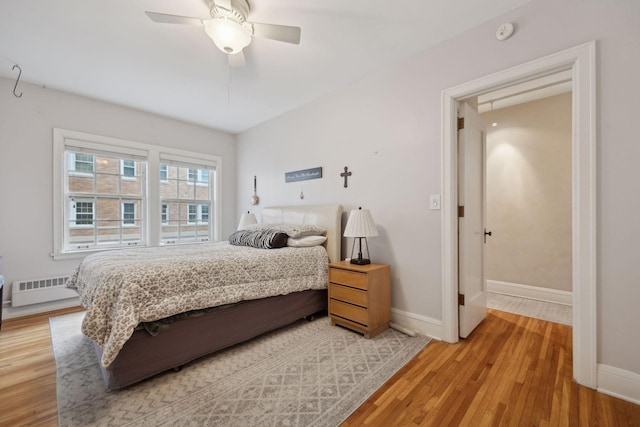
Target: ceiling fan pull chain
{"x": 229, "y": 84}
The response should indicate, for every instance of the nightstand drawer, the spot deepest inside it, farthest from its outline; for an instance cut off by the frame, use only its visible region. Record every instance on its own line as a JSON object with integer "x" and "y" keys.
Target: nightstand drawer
{"x": 350, "y": 295}
{"x": 350, "y": 278}
{"x": 348, "y": 311}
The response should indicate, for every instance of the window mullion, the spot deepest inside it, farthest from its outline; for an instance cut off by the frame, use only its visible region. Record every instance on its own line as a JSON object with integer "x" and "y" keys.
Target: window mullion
{"x": 121, "y": 222}
{"x": 94, "y": 221}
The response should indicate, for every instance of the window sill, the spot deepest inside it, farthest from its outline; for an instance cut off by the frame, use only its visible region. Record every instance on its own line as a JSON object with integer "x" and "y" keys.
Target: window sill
{"x": 60, "y": 256}
{"x": 186, "y": 242}
{"x": 82, "y": 174}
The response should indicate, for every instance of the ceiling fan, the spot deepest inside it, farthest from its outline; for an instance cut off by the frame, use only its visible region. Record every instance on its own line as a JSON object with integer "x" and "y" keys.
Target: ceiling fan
{"x": 229, "y": 29}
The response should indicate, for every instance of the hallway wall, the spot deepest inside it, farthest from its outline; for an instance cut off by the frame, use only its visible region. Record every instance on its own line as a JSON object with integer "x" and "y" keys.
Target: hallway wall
{"x": 528, "y": 194}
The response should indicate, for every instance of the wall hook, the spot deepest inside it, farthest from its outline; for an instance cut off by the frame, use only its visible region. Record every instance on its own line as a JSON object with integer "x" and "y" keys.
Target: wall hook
{"x": 17, "y": 81}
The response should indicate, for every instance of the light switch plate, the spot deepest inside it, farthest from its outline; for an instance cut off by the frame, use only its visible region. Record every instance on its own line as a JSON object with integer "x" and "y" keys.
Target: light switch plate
{"x": 434, "y": 202}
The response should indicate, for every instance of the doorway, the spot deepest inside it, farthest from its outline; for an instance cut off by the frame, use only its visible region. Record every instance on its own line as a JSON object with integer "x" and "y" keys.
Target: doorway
{"x": 528, "y": 198}
{"x": 581, "y": 61}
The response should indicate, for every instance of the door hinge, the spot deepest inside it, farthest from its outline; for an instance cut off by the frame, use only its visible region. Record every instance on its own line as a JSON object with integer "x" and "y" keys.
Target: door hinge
{"x": 460, "y": 123}
{"x": 460, "y": 211}
{"x": 460, "y": 299}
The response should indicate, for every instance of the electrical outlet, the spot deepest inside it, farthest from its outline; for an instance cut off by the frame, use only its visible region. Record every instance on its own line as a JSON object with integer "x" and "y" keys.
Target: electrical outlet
{"x": 434, "y": 202}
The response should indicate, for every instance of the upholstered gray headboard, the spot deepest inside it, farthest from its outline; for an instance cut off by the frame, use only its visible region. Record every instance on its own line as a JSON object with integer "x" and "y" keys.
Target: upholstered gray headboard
{"x": 329, "y": 216}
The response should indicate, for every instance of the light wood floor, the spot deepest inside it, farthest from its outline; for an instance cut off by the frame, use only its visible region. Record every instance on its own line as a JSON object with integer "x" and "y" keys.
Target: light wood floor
{"x": 512, "y": 370}
{"x": 28, "y": 372}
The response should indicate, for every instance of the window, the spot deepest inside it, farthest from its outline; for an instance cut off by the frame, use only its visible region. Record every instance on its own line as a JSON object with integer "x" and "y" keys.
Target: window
{"x": 198, "y": 213}
{"x": 81, "y": 213}
{"x": 199, "y": 176}
{"x": 102, "y": 199}
{"x": 80, "y": 163}
{"x": 192, "y": 214}
{"x": 164, "y": 173}
{"x": 203, "y": 213}
{"x": 187, "y": 204}
{"x": 165, "y": 213}
{"x": 128, "y": 213}
{"x": 128, "y": 168}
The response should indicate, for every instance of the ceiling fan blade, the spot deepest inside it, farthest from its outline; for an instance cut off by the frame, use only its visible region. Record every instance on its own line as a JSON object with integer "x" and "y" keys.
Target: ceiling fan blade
{"x": 164, "y": 18}
{"x": 281, "y": 33}
{"x": 237, "y": 60}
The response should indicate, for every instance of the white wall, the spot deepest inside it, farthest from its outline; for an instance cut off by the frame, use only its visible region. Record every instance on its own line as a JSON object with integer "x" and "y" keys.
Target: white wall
{"x": 387, "y": 129}
{"x": 26, "y": 149}
{"x": 528, "y": 193}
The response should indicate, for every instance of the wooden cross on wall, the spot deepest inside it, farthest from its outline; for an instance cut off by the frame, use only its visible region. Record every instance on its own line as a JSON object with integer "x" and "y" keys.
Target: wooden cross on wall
{"x": 345, "y": 175}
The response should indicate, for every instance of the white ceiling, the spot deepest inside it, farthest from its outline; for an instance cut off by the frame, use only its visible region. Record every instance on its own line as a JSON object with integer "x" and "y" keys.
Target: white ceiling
{"x": 110, "y": 50}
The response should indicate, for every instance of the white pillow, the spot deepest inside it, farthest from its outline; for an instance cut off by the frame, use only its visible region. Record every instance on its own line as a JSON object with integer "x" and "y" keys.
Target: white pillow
{"x": 306, "y": 241}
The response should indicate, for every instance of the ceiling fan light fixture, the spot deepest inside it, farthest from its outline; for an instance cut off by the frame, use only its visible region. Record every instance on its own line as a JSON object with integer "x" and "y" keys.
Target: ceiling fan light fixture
{"x": 229, "y": 36}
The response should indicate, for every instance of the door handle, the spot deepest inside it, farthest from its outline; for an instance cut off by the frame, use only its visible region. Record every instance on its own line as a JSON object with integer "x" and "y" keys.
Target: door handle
{"x": 486, "y": 233}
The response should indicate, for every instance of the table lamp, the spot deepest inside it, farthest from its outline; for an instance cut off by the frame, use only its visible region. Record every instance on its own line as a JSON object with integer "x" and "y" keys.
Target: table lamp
{"x": 247, "y": 219}
{"x": 360, "y": 225}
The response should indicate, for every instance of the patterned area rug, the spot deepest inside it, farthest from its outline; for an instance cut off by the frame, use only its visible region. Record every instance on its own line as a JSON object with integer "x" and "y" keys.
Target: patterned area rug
{"x": 306, "y": 374}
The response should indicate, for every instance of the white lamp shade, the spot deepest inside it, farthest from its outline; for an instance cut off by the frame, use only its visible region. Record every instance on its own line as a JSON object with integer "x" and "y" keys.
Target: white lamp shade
{"x": 229, "y": 36}
{"x": 247, "y": 219}
{"x": 360, "y": 224}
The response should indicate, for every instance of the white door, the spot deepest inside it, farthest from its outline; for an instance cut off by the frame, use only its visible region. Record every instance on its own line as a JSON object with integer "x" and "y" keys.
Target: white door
{"x": 471, "y": 287}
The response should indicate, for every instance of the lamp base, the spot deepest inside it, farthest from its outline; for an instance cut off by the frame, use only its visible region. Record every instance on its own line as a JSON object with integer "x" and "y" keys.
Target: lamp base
{"x": 360, "y": 261}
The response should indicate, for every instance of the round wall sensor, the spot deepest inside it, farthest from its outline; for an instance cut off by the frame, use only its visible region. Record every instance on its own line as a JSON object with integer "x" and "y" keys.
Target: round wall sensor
{"x": 504, "y": 31}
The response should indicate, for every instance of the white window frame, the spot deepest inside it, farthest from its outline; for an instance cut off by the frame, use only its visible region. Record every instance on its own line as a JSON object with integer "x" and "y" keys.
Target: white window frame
{"x": 155, "y": 155}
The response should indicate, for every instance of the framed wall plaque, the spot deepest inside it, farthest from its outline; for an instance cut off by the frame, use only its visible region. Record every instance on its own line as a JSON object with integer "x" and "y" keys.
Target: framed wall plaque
{"x": 303, "y": 175}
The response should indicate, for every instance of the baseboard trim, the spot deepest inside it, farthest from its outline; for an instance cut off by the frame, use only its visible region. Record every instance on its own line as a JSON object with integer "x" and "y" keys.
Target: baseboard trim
{"x": 619, "y": 383}
{"x": 28, "y": 310}
{"x": 530, "y": 292}
{"x": 414, "y": 322}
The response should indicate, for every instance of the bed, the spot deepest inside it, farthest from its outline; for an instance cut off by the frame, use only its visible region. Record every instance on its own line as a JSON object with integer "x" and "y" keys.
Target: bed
{"x": 129, "y": 354}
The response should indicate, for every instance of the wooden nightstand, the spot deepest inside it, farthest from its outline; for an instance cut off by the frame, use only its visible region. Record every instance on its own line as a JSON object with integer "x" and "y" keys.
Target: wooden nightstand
{"x": 360, "y": 296}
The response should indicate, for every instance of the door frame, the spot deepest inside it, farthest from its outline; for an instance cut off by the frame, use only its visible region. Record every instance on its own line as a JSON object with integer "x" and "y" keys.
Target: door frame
{"x": 582, "y": 60}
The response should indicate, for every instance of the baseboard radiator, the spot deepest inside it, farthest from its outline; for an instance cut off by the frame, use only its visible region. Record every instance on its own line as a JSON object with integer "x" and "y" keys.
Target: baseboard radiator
{"x": 28, "y": 292}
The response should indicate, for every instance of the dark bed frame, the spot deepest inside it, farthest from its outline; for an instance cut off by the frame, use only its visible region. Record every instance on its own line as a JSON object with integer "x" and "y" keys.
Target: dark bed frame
{"x": 144, "y": 356}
